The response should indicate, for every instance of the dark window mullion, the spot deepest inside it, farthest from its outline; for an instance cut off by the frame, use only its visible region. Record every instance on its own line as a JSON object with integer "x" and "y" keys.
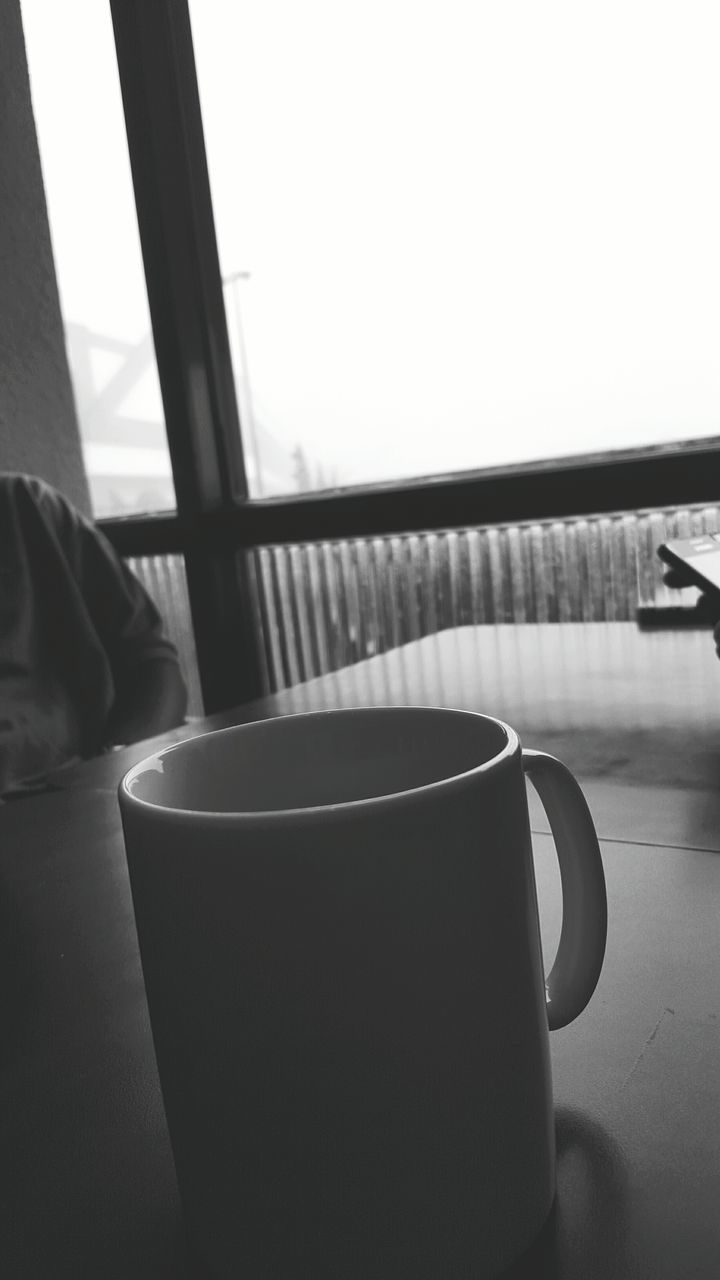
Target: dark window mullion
{"x": 177, "y": 234}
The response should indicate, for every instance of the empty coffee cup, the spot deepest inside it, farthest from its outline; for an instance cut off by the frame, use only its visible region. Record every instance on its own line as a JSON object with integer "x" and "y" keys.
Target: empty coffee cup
{"x": 339, "y": 935}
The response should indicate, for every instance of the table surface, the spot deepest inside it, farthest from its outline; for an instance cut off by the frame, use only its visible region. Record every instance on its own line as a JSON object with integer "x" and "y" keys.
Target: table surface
{"x": 89, "y": 1184}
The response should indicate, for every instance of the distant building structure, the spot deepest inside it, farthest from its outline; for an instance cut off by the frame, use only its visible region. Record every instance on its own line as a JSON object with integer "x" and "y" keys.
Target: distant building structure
{"x": 122, "y": 426}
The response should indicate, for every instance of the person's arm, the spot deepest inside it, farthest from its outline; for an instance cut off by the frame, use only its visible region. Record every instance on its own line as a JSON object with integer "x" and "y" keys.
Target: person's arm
{"x": 150, "y": 693}
{"x": 707, "y": 606}
{"x": 153, "y": 699}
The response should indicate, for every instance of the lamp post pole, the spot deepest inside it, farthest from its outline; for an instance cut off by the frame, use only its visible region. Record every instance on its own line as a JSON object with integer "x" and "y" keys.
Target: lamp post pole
{"x": 247, "y": 417}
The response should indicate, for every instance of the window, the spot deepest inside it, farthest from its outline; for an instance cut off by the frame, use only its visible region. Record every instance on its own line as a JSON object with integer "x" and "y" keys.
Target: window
{"x": 461, "y": 235}
{"x": 79, "y": 119}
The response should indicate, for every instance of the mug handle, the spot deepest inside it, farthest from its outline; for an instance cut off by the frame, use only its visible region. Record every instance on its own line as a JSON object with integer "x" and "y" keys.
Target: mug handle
{"x": 581, "y": 949}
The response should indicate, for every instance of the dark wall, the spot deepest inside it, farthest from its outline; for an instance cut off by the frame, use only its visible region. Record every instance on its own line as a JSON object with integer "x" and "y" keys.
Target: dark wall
{"x": 38, "y": 424}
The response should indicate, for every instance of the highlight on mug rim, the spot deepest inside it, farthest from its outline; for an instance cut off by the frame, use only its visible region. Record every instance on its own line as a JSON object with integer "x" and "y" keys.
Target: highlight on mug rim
{"x": 508, "y": 747}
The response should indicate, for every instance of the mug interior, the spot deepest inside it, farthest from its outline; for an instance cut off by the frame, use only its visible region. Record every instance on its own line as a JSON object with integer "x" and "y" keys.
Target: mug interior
{"x": 318, "y": 759}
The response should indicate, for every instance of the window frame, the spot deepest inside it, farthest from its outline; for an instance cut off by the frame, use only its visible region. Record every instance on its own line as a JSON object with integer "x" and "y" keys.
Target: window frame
{"x": 215, "y": 516}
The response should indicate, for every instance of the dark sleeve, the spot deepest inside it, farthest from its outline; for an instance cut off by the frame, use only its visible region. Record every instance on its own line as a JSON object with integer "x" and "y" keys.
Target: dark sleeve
{"x": 123, "y": 614}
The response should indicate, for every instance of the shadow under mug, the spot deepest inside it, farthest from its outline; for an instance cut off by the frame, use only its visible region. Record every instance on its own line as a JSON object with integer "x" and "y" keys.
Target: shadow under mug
{"x": 339, "y": 934}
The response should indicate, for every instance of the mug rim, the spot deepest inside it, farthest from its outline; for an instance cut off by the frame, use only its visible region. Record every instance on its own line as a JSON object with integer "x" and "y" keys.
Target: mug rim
{"x": 338, "y": 810}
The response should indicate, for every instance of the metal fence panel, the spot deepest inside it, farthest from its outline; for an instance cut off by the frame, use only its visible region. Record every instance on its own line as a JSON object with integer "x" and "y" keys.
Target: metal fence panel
{"x": 329, "y": 604}
{"x": 165, "y": 582}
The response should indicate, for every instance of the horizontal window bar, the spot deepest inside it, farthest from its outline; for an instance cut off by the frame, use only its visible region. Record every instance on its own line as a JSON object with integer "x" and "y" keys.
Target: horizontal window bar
{"x": 145, "y": 535}
{"x": 540, "y": 491}
{"x": 635, "y": 480}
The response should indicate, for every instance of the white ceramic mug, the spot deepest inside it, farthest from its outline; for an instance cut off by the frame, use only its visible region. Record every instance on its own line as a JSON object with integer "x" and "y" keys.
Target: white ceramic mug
{"x": 339, "y": 934}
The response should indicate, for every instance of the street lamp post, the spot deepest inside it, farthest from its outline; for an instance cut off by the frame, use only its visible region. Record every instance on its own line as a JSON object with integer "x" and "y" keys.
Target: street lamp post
{"x": 242, "y": 377}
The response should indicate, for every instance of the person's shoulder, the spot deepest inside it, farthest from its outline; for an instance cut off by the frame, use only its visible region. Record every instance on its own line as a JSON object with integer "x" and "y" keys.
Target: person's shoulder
{"x": 13, "y": 483}
{"x": 24, "y": 493}
{"x": 18, "y": 486}
{"x": 36, "y": 510}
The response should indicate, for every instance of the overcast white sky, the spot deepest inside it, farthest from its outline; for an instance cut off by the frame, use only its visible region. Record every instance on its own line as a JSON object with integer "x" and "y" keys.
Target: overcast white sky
{"x": 476, "y": 232}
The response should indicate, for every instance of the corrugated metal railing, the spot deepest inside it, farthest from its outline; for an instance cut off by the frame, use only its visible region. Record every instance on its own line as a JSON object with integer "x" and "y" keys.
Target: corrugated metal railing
{"x": 324, "y": 605}
{"x": 164, "y": 580}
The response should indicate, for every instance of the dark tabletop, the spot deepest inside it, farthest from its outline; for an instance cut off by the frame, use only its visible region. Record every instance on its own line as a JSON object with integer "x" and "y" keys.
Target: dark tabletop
{"x": 88, "y": 1186}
